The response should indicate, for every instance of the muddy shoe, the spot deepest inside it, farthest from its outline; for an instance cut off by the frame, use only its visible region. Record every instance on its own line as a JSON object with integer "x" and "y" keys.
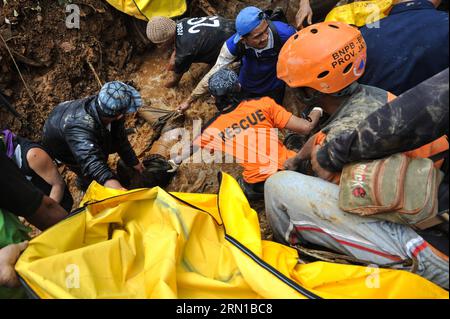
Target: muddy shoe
{"x": 252, "y": 191}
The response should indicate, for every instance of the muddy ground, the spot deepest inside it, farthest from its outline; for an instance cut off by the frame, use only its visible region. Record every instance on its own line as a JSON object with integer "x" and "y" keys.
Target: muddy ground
{"x": 58, "y": 64}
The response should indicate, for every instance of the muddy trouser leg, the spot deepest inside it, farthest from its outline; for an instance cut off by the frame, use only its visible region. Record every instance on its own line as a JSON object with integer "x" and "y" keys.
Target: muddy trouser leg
{"x": 278, "y": 94}
{"x": 302, "y": 208}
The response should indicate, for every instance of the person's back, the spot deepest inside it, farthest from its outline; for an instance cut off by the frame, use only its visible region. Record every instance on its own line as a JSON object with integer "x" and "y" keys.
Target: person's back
{"x": 64, "y": 116}
{"x": 408, "y": 47}
{"x": 38, "y": 167}
{"x": 248, "y": 133}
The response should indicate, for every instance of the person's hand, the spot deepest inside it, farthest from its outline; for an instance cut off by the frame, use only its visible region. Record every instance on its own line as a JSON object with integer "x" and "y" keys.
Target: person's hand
{"x": 304, "y": 13}
{"x": 114, "y": 184}
{"x": 185, "y": 106}
{"x": 139, "y": 167}
{"x": 319, "y": 170}
{"x": 8, "y": 258}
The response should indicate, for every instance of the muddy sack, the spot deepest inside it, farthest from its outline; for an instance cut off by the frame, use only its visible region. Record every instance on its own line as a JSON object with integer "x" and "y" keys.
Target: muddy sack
{"x": 146, "y": 9}
{"x": 397, "y": 188}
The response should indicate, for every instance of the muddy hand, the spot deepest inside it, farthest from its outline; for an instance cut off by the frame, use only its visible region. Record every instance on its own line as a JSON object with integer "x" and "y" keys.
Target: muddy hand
{"x": 8, "y": 258}
{"x": 304, "y": 13}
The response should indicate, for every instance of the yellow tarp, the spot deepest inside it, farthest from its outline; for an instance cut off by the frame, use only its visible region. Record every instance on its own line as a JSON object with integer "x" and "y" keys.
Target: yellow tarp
{"x": 361, "y": 13}
{"x": 146, "y": 9}
{"x": 151, "y": 244}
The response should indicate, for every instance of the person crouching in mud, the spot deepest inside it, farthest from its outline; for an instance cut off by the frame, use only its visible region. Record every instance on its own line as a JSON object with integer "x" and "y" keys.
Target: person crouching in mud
{"x": 240, "y": 122}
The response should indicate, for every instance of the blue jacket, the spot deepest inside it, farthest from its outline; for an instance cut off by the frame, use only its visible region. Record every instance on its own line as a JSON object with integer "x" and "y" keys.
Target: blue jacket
{"x": 408, "y": 47}
{"x": 259, "y": 69}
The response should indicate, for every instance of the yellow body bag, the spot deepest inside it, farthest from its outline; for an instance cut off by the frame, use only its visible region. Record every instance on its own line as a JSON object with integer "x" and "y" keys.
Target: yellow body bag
{"x": 146, "y": 9}
{"x": 361, "y": 13}
{"x": 151, "y": 244}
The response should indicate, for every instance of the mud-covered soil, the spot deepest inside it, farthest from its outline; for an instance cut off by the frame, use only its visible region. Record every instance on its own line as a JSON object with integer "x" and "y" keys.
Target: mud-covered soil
{"x": 55, "y": 64}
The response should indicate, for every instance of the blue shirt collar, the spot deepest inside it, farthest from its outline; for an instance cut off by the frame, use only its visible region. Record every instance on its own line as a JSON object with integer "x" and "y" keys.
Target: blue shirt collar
{"x": 412, "y": 5}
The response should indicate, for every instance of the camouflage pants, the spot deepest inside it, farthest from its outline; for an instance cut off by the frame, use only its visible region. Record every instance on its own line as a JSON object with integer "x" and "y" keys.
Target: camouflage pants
{"x": 302, "y": 208}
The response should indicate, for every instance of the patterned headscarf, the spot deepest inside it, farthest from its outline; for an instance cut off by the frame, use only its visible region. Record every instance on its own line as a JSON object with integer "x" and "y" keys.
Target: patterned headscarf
{"x": 224, "y": 82}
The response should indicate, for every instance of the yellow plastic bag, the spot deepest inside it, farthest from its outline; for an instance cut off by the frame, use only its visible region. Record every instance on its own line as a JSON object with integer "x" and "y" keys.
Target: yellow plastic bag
{"x": 146, "y": 9}
{"x": 361, "y": 13}
{"x": 151, "y": 244}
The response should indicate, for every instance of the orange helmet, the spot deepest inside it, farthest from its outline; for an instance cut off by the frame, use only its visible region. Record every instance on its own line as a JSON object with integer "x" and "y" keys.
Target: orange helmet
{"x": 327, "y": 56}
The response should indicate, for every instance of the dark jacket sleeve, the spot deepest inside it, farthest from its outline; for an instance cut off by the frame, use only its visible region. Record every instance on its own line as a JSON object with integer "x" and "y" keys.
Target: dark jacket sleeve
{"x": 415, "y": 118}
{"x": 88, "y": 153}
{"x": 124, "y": 147}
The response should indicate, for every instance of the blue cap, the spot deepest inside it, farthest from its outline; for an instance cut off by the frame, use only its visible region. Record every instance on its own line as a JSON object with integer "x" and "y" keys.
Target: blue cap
{"x": 117, "y": 98}
{"x": 247, "y": 21}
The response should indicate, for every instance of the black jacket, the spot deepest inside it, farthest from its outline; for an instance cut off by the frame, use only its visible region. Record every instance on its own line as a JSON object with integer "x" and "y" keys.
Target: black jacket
{"x": 75, "y": 135}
